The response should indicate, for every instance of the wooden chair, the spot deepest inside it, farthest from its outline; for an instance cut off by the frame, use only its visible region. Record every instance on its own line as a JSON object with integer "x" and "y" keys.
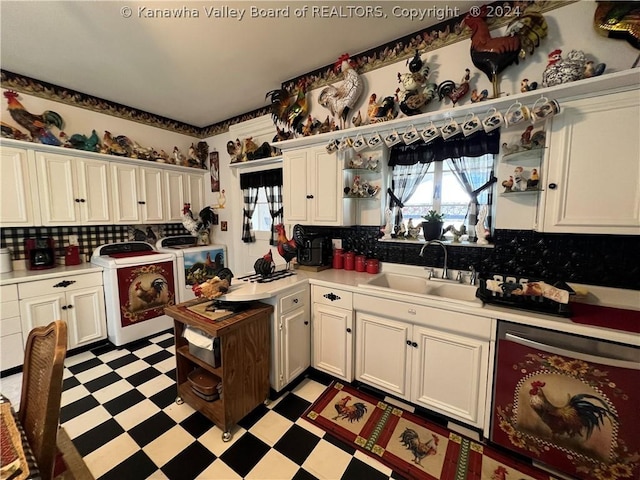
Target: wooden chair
{"x": 42, "y": 372}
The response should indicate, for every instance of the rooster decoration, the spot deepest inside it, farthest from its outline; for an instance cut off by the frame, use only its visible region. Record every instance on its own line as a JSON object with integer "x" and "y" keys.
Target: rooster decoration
{"x": 196, "y": 227}
{"x": 353, "y": 412}
{"x": 574, "y": 67}
{"x": 289, "y": 109}
{"x": 340, "y": 101}
{"x": 619, "y": 20}
{"x": 151, "y": 294}
{"x": 288, "y": 248}
{"x": 492, "y": 55}
{"x": 264, "y": 266}
{"x": 38, "y": 125}
{"x": 454, "y": 92}
{"x": 579, "y": 416}
{"x": 381, "y": 111}
{"x": 410, "y": 439}
{"x": 415, "y": 91}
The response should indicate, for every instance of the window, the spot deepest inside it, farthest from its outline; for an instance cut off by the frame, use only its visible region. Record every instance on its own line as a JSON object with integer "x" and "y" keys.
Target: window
{"x": 261, "y": 220}
{"x": 445, "y": 186}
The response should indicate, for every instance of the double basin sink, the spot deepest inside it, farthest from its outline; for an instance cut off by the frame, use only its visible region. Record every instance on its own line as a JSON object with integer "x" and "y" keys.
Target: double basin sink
{"x": 445, "y": 291}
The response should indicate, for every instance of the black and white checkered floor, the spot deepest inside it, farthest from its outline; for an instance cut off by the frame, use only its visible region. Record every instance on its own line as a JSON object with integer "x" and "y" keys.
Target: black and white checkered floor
{"x": 118, "y": 407}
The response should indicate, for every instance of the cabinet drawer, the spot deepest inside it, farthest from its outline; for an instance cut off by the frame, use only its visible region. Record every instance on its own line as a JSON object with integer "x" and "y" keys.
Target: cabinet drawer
{"x": 8, "y": 293}
{"x": 57, "y": 285}
{"x": 293, "y": 300}
{"x": 9, "y": 309}
{"x": 11, "y": 351}
{"x": 10, "y": 326}
{"x": 333, "y": 296}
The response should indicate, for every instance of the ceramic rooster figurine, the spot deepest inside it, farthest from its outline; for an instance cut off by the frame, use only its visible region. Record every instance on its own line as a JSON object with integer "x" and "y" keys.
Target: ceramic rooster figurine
{"x": 265, "y": 265}
{"x": 340, "y": 101}
{"x": 193, "y": 226}
{"x": 454, "y": 92}
{"x": 287, "y": 248}
{"x": 38, "y": 125}
{"x": 492, "y": 55}
{"x": 289, "y": 109}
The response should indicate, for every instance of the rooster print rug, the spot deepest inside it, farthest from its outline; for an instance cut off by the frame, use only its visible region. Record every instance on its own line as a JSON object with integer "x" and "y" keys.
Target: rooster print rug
{"x": 409, "y": 444}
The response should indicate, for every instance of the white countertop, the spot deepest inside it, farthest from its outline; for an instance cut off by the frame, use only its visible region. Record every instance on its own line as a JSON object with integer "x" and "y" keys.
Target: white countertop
{"x": 20, "y": 276}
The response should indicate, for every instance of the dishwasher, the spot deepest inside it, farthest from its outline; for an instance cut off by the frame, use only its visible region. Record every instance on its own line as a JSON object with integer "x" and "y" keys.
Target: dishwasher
{"x": 570, "y": 403}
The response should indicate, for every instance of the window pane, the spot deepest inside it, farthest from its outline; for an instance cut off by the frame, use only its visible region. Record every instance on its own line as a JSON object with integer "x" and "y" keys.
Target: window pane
{"x": 421, "y": 201}
{"x": 261, "y": 218}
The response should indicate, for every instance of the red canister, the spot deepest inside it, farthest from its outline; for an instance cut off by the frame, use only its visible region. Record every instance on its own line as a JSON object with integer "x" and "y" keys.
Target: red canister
{"x": 360, "y": 265}
{"x": 349, "y": 260}
{"x": 373, "y": 265}
{"x": 338, "y": 258}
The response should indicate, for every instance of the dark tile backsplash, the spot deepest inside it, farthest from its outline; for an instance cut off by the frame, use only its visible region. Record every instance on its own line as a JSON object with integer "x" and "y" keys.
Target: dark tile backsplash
{"x": 606, "y": 260}
{"x": 89, "y": 237}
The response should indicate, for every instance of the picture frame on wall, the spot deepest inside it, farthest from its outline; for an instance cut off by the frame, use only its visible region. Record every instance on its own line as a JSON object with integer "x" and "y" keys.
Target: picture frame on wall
{"x": 214, "y": 167}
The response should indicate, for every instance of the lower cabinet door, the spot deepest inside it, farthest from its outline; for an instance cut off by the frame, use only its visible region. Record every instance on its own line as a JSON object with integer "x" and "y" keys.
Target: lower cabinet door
{"x": 296, "y": 343}
{"x": 86, "y": 319}
{"x": 383, "y": 353}
{"x": 333, "y": 341}
{"x": 450, "y": 374}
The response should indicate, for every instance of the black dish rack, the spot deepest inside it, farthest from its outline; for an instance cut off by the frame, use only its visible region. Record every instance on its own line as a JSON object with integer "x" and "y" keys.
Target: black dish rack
{"x": 530, "y": 303}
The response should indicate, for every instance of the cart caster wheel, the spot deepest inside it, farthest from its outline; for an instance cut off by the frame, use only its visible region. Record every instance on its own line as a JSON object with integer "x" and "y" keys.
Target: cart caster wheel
{"x": 226, "y": 436}
{"x": 266, "y": 402}
{"x": 179, "y": 401}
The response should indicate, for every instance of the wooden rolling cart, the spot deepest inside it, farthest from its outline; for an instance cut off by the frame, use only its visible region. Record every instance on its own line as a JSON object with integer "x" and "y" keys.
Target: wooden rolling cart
{"x": 244, "y": 367}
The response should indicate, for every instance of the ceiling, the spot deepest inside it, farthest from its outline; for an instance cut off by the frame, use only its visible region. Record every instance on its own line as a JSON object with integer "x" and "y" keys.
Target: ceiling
{"x": 197, "y": 70}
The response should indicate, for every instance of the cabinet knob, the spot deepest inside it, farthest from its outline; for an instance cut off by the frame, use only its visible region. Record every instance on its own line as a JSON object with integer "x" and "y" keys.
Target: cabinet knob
{"x": 414, "y": 344}
{"x": 82, "y": 200}
{"x": 64, "y": 307}
{"x": 553, "y": 186}
{"x": 69, "y": 307}
{"x": 141, "y": 202}
{"x": 295, "y": 300}
{"x": 309, "y": 196}
{"x": 77, "y": 200}
{"x": 348, "y": 330}
{"x": 409, "y": 342}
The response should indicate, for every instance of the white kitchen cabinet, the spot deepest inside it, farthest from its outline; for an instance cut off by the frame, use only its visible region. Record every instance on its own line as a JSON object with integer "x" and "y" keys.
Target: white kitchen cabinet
{"x": 181, "y": 188}
{"x": 312, "y": 190}
{"x": 592, "y": 182}
{"x": 19, "y": 194}
{"x": 76, "y": 299}
{"x": 434, "y": 358}
{"x": 332, "y": 332}
{"x": 73, "y": 190}
{"x": 138, "y": 194}
{"x": 290, "y": 335}
{"x": 11, "y": 345}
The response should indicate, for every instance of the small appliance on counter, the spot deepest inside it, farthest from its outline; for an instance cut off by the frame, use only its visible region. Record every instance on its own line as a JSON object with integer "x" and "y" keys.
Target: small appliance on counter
{"x": 6, "y": 265}
{"x": 314, "y": 251}
{"x": 72, "y": 255}
{"x": 40, "y": 253}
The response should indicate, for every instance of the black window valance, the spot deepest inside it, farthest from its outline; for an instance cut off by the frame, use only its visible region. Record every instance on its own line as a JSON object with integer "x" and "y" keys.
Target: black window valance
{"x": 264, "y": 178}
{"x": 476, "y": 145}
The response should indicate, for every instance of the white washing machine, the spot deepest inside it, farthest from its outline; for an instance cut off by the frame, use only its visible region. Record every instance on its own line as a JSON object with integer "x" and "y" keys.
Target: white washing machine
{"x": 194, "y": 263}
{"x": 139, "y": 282}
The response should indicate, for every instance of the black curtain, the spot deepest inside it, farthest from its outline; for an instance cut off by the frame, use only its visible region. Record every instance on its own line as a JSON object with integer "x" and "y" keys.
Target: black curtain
{"x": 476, "y": 145}
{"x": 263, "y": 178}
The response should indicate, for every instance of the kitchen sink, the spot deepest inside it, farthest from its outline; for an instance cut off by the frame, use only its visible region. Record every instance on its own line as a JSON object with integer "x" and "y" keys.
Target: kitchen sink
{"x": 422, "y": 288}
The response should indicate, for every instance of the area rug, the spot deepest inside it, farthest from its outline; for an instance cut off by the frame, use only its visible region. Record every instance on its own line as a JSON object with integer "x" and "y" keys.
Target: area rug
{"x": 409, "y": 444}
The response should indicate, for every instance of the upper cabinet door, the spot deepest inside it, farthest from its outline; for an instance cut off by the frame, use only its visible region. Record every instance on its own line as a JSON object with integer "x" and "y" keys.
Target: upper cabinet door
{"x": 58, "y": 191}
{"x": 296, "y": 197}
{"x": 93, "y": 191}
{"x": 124, "y": 182}
{"x": 593, "y": 179}
{"x": 151, "y": 195}
{"x": 17, "y": 205}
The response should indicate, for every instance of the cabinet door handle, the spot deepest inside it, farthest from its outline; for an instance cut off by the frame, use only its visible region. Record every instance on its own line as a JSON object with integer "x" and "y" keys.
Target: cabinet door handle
{"x": 306, "y": 322}
{"x": 141, "y": 202}
{"x": 309, "y": 196}
{"x": 348, "y": 330}
{"x": 295, "y": 300}
{"x": 64, "y": 284}
{"x": 553, "y": 186}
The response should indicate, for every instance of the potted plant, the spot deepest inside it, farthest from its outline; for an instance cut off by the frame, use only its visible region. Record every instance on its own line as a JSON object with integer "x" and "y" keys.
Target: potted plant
{"x": 432, "y": 225}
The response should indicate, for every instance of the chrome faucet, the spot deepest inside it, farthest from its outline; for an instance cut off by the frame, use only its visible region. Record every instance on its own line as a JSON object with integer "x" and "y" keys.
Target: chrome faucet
{"x": 445, "y": 270}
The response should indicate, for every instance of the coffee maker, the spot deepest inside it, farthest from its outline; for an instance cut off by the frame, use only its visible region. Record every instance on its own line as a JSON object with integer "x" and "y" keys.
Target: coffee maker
{"x": 40, "y": 253}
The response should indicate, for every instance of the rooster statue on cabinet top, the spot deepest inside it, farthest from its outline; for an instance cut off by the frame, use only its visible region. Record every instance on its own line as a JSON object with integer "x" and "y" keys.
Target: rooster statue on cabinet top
{"x": 38, "y": 125}
{"x": 340, "y": 101}
{"x": 492, "y": 55}
{"x": 448, "y": 88}
{"x": 197, "y": 227}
